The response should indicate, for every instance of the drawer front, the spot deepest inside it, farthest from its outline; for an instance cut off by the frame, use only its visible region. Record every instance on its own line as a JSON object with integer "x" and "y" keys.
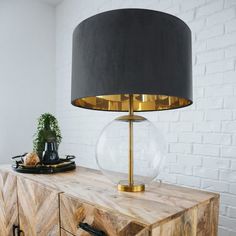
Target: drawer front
{"x": 73, "y": 211}
{"x": 65, "y": 233}
{"x": 38, "y": 208}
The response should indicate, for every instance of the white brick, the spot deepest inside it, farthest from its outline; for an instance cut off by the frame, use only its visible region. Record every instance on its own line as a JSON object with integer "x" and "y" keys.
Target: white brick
{"x": 211, "y": 138}
{"x": 181, "y": 169}
{"x": 206, "y": 173}
{"x": 189, "y": 181}
{"x": 211, "y": 56}
{"x": 230, "y": 26}
{"x": 197, "y": 25}
{"x": 172, "y": 138}
{"x": 221, "y": 41}
{"x": 220, "y": 66}
{"x": 199, "y": 46}
{"x": 181, "y": 127}
{"x": 218, "y": 115}
{"x": 187, "y": 16}
{"x": 206, "y": 149}
{"x": 230, "y": 3}
{"x": 234, "y": 140}
{"x": 229, "y": 102}
{"x": 209, "y": 103}
{"x": 171, "y": 158}
{"x": 215, "y": 163}
{"x": 198, "y": 93}
{"x": 191, "y": 116}
{"x": 207, "y": 126}
{"x": 232, "y": 212}
{"x": 170, "y": 178}
{"x": 209, "y": 80}
{"x": 189, "y": 4}
{"x": 180, "y": 148}
{"x": 228, "y": 175}
{"x": 210, "y": 32}
{"x": 229, "y": 126}
{"x": 232, "y": 188}
{"x": 229, "y": 77}
{"x": 223, "y": 90}
{"x": 169, "y": 116}
{"x": 215, "y": 186}
{"x": 228, "y": 199}
{"x": 199, "y": 70}
{"x": 190, "y": 138}
{"x": 227, "y": 222}
{"x": 223, "y": 210}
{"x": 210, "y": 8}
{"x": 228, "y": 151}
{"x": 233, "y": 165}
{"x": 189, "y": 160}
{"x": 220, "y": 17}
{"x": 230, "y": 52}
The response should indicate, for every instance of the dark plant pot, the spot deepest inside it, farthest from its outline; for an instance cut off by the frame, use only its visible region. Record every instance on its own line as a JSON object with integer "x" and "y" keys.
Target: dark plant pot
{"x": 50, "y": 154}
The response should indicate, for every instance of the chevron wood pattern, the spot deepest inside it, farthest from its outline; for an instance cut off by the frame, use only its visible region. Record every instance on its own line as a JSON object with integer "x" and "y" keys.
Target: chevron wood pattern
{"x": 73, "y": 211}
{"x": 38, "y": 208}
{"x": 65, "y": 233}
{"x": 8, "y": 203}
{"x": 200, "y": 220}
{"x": 87, "y": 196}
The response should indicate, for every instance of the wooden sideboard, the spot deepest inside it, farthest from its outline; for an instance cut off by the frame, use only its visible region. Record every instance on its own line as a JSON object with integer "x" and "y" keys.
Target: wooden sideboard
{"x": 54, "y": 205}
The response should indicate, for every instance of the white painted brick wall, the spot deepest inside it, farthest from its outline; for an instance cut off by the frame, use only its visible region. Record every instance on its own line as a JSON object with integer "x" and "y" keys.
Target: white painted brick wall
{"x": 201, "y": 138}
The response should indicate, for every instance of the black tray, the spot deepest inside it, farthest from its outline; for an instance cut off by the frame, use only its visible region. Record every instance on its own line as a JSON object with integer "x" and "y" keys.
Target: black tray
{"x": 64, "y": 164}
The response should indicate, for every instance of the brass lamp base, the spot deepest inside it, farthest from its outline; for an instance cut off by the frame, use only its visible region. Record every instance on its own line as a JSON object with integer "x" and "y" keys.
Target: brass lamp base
{"x": 124, "y": 186}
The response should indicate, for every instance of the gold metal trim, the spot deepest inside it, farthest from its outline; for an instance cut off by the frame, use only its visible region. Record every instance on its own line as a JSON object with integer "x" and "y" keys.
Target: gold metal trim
{"x": 141, "y": 102}
{"x": 123, "y": 186}
{"x": 133, "y": 118}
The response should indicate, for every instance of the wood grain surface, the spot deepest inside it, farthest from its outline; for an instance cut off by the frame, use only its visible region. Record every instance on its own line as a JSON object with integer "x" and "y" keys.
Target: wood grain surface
{"x": 8, "y": 203}
{"x": 65, "y": 233}
{"x": 167, "y": 210}
{"x": 73, "y": 211}
{"x": 38, "y": 208}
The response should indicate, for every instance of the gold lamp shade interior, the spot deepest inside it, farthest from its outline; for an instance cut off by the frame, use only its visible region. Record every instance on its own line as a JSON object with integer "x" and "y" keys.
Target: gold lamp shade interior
{"x": 141, "y": 102}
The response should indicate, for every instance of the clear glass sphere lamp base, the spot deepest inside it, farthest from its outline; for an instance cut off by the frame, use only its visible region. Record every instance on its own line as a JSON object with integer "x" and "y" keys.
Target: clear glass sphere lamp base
{"x": 130, "y": 151}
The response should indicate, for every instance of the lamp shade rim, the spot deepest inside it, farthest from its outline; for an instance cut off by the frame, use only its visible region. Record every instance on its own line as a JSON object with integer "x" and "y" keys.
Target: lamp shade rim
{"x": 142, "y": 102}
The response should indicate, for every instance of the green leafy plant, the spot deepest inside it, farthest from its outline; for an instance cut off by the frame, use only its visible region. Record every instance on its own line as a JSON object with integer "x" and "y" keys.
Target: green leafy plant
{"x": 48, "y": 129}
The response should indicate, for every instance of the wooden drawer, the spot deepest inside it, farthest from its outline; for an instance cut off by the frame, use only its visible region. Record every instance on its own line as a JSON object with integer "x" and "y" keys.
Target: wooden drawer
{"x": 74, "y": 211}
{"x": 65, "y": 233}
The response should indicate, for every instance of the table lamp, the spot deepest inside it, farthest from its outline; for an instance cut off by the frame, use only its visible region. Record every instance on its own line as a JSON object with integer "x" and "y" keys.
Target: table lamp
{"x": 131, "y": 60}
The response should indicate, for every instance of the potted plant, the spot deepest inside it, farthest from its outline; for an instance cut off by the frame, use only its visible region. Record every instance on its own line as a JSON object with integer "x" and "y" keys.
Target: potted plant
{"x": 48, "y": 129}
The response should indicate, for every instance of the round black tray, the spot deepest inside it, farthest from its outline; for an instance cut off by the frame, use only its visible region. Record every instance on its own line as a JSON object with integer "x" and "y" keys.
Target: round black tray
{"x": 64, "y": 164}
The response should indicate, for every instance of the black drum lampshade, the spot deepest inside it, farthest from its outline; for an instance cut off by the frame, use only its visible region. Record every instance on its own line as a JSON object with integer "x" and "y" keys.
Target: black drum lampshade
{"x": 131, "y": 60}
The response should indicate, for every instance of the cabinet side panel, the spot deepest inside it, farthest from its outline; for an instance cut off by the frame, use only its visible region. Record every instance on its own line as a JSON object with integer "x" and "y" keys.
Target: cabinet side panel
{"x": 8, "y": 203}
{"x": 201, "y": 220}
{"x": 214, "y": 215}
{"x": 183, "y": 225}
{"x": 38, "y": 209}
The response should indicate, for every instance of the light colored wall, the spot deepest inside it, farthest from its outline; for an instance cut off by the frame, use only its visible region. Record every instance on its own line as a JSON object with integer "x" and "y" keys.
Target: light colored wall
{"x": 27, "y": 71}
{"x": 202, "y": 138}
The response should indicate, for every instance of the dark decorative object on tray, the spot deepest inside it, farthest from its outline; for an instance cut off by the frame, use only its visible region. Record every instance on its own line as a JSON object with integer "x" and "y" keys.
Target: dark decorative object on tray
{"x": 63, "y": 164}
{"x": 48, "y": 129}
{"x": 50, "y": 155}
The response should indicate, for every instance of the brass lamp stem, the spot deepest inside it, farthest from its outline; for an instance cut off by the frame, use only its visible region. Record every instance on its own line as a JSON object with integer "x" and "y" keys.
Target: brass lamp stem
{"x": 131, "y": 185}
{"x": 131, "y": 134}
